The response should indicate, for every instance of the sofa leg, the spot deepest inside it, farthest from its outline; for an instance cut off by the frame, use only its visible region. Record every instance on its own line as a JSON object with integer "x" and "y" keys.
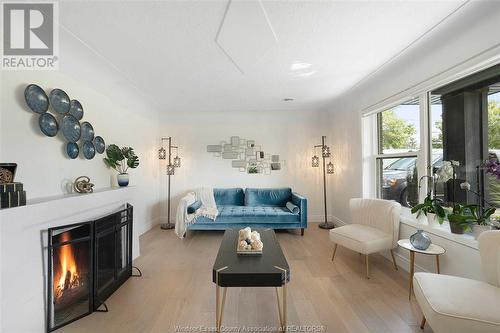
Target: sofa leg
{"x": 302, "y": 232}
{"x": 422, "y": 324}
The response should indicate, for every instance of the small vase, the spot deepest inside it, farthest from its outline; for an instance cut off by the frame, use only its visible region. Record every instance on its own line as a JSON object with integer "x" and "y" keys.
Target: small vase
{"x": 479, "y": 229}
{"x": 122, "y": 179}
{"x": 420, "y": 240}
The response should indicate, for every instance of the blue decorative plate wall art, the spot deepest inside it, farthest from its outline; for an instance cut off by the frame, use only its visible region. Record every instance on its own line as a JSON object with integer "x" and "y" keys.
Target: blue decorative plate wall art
{"x": 87, "y": 131}
{"x": 59, "y": 101}
{"x": 48, "y": 124}
{"x": 36, "y": 98}
{"x": 88, "y": 150}
{"x": 76, "y": 109}
{"x": 71, "y": 128}
{"x": 99, "y": 144}
{"x": 72, "y": 150}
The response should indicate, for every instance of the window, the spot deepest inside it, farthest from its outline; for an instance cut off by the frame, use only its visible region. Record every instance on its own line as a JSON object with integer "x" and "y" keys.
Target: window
{"x": 492, "y": 184}
{"x": 398, "y": 147}
{"x": 459, "y": 121}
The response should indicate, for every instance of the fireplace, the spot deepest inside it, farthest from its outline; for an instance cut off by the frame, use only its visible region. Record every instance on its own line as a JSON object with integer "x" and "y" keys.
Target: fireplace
{"x": 87, "y": 262}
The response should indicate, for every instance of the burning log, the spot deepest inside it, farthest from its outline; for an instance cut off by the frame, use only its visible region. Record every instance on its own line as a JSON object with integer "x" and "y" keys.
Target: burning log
{"x": 67, "y": 281}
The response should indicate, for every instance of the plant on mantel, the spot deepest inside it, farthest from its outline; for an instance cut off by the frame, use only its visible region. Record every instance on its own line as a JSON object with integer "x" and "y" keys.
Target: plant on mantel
{"x": 121, "y": 159}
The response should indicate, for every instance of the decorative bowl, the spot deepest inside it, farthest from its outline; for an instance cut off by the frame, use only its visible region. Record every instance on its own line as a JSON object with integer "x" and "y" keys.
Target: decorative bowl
{"x": 59, "y": 101}
{"x": 48, "y": 124}
{"x": 36, "y": 98}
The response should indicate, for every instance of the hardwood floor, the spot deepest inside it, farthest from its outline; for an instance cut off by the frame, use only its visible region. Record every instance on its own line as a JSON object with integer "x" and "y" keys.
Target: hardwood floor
{"x": 177, "y": 290}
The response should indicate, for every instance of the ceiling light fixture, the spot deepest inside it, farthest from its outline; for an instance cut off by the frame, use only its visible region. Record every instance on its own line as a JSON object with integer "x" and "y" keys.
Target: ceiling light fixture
{"x": 297, "y": 66}
{"x": 288, "y": 99}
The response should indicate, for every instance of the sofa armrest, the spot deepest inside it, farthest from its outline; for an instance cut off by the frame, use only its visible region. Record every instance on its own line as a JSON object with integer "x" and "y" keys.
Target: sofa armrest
{"x": 301, "y": 202}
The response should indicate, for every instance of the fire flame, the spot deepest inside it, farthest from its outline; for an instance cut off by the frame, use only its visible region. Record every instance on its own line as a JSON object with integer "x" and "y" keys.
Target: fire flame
{"x": 66, "y": 276}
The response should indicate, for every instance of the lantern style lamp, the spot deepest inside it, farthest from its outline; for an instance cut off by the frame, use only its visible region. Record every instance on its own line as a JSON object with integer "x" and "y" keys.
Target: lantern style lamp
{"x": 329, "y": 168}
{"x": 171, "y": 165}
{"x": 315, "y": 161}
{"x": 325, "y": 153}
{"x": 162, "y": 153}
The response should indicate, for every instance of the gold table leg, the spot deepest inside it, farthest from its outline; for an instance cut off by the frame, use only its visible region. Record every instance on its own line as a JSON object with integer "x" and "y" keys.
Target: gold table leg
{"x": 412, "y": 270}
{"x": 219, "y": 307}
{"x": 282, "y": 307}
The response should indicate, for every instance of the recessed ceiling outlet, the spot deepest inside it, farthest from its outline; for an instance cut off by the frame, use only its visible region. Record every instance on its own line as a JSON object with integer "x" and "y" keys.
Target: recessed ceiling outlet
{"x": 288, "y": 99}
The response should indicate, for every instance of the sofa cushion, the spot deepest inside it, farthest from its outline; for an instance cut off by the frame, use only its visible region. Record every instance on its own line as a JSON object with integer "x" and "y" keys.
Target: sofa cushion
{"x": 193, "y": 207}
{"x": 229, "y": 196}
{"x": 255, "y": 214}
{"x": 268, "y": 197}
{"x": 472, "y": 307}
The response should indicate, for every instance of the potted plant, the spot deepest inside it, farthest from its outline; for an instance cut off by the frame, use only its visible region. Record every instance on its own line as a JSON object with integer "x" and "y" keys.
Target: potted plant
{"x": 121, "y": 159}
{"x": 432, "y": 209}
{"x": 480, "y": 218}
{"x": 460, "y": 219}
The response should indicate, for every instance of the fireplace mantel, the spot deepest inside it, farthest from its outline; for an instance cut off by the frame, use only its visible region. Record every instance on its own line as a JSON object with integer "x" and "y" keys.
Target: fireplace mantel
{"x": 23, "y": 255}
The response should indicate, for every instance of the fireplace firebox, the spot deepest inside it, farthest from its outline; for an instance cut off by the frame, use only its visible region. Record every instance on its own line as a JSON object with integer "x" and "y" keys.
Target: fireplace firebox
{"x": 87, "y": 262}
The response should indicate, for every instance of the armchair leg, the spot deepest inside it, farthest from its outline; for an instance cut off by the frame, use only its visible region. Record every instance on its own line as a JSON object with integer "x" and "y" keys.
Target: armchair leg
{"x": 394, "y": 260}
{"x": 422, "y": 324}
{"x": 302, "y": 232}
{"x": 334, "y": 251}
{"x": 367, "y": 261}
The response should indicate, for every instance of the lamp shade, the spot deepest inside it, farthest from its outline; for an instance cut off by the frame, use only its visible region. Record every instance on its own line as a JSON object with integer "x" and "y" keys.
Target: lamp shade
{"x": 329, "y": 168}
{"x": 315, "y": 161}
{"x": 177, "y": 162}
{"x": 325, "y": 151}
{"x": 170, "y": 169}
{"x": 162, "y": 153}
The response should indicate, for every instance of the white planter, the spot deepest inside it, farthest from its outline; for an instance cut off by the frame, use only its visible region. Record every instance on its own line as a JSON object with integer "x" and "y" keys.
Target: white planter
{"x": 122, "y": 179}
{"x": 432, "y": 220}
{"x": 479, "y": 229}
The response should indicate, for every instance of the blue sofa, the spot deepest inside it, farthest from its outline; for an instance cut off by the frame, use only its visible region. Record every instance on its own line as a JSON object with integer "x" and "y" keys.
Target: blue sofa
{"x": 255, "y": 208}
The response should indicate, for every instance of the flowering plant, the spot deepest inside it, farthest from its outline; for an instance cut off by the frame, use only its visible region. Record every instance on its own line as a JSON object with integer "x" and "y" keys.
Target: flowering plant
{"x": 493, "y": 168}
{"x": 447, "y": 171}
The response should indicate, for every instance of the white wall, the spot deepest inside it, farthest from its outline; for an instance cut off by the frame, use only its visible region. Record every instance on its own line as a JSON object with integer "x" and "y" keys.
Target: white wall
{"x": 117, "y": 111}
{"x": 466, "y": 40}
{"x": 291, "y": 135}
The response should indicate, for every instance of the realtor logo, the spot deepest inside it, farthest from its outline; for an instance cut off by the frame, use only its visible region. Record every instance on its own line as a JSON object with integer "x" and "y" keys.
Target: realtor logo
{"x": 30, "y": 38}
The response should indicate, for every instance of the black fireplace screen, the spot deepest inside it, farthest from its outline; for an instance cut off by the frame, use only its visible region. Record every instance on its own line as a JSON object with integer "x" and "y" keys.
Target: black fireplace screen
{"x": 87, "y": 262}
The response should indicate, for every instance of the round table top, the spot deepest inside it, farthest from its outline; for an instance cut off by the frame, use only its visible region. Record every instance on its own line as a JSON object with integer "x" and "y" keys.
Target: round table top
{"x": 433, "y": 248}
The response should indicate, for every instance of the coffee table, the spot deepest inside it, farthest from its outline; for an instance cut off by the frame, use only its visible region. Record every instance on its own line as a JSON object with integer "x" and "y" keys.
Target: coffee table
{"x": 269, "y": 269}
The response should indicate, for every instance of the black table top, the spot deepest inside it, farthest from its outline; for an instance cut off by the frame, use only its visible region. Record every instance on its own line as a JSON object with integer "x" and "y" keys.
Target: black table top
{"x": 269, "y": 269}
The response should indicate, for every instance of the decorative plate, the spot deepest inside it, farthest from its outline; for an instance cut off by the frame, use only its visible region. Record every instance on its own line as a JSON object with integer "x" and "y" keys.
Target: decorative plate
{"x": 88, "y": 150}
{"x": 99, "y": 144}
{"x": 48, "y": 124}
{"x": 71, "y": 128}
{"x": 87, "y": 131}
{"x": 76, "y": 109}
{"x": 59, "y": 101}
{"x": 36, "y": 98}
{"x": 72, "y": 150}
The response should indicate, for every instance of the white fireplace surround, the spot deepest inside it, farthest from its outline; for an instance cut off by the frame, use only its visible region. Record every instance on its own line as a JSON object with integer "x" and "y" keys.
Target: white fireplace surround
{"x": 23, "y": 252}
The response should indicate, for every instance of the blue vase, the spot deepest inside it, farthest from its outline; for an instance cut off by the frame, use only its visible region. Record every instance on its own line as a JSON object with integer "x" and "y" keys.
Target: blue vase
{"x": 122, "y": 179}
{"x": 420, "y": 240}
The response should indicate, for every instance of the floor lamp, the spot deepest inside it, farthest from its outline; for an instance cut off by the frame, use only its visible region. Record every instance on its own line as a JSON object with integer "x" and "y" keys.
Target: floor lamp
{"x": 171, "y": 166}
{"x": 327, "y": 168}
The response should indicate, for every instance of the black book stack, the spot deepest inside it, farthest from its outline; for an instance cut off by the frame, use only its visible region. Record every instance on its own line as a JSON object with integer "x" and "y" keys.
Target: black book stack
{"x": 12, "y": 195}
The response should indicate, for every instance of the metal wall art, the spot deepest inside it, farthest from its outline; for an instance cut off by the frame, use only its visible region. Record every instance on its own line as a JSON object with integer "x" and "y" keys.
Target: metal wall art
{"x": 246, "y": 156}
{"x": 66, "y": 115}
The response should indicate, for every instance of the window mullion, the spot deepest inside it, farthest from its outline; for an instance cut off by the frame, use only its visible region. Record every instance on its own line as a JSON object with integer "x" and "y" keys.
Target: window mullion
{"x": 424, "y": 156}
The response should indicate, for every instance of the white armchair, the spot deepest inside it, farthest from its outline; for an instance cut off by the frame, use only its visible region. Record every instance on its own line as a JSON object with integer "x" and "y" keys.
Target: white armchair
{"x": 460, "y": 305}
{"x": 374, "y": 228}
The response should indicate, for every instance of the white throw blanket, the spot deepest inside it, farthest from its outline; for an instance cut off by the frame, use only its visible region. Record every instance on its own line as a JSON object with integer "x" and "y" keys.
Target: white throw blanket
{"x": 208, "y": 209}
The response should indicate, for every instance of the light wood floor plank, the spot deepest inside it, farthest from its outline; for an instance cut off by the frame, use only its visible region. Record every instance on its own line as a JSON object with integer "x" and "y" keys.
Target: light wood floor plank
{"x": 177, "y": 290}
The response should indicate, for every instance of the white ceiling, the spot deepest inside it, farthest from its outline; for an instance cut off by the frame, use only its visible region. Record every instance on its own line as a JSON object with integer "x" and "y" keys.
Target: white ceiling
{"x": 249, "y": 55}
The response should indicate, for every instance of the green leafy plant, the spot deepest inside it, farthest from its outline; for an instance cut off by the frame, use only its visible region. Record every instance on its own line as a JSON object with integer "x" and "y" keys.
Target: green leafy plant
{"x": 121, "y": 159}
{"x": 461, "y": 216}
{"x": 480, "y": 216}
{"x": 432, "y": 206}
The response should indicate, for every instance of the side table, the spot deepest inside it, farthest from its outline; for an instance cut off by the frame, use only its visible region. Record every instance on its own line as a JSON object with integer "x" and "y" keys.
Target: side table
{"x": 433, "y": 249}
